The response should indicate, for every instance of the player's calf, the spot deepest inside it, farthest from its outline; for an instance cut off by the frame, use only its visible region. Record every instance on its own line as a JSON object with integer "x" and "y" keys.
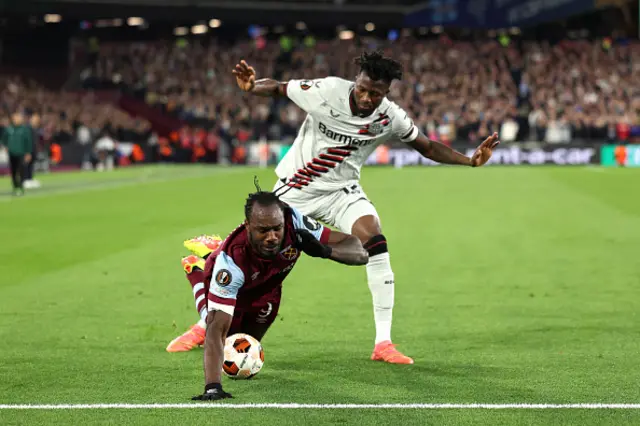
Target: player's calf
{"x": 194, "y": 267}
{"x": 382, "y": 285}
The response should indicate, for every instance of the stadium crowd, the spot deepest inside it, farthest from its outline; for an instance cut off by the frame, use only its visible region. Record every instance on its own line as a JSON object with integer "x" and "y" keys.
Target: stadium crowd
{"x": 456, "y": 90}
{"x": 63, "y": 117}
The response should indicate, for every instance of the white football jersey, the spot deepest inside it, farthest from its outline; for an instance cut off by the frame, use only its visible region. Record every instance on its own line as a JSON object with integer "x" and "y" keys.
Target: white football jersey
{"x": 332, "y": 143}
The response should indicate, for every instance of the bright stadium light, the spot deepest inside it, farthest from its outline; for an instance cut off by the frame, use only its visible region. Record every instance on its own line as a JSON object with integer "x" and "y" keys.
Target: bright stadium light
{"x": 199, "y": 29}
{"x": 181, "y": 31}
{"x": 370, "y": 26}
{"x": 301, "y": 26}
{"x": 52, "y": 18}
{"x": 346, "y": 35}
{"x": 215, "y": 23}
{"x": 135, "y": 21}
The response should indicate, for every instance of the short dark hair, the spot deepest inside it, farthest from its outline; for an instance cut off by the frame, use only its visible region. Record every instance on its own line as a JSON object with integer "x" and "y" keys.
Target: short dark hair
{"x": 378, "y": 67}
{"x": 263, "y": 198}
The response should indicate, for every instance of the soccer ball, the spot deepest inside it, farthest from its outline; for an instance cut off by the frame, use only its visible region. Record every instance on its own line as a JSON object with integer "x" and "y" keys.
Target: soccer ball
{"x": 243, "y": 356}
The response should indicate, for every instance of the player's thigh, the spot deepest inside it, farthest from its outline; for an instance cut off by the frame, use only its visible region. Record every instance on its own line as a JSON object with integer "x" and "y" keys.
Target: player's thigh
{"x": 356, "y": 214}
{"x": 257, "y": 323}
{"x": 316, "y": 206}
{"x": 294, "y": 197}
{"x": 236, "y": 322}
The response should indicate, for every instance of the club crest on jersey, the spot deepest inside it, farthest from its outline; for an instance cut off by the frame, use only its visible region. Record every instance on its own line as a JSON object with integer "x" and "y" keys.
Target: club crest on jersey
{"x": 306, "y": 84}
{"x": 264, "y": 313}
{"x": 223, "y": 277}
{"x": 289, "y": 253}
{"x": 310, "y": 224}
{"x": 377, "y": 127}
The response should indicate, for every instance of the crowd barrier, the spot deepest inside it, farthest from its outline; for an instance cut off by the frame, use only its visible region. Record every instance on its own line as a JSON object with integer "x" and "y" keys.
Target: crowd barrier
{"x": 268, "y": 153}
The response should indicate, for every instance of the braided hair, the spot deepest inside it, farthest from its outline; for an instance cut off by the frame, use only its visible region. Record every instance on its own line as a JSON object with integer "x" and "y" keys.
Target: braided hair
{"x": 379, "y": 67}
{"x": 264, "y": 198}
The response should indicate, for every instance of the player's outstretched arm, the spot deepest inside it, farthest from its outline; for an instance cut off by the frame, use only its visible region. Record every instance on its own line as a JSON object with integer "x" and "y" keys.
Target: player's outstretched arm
{"x": 218, "y": 324}
{"x": 246, "y": 79}
{"x": 441, "y": 153}
{"x": 341, "y": 248}
{"x": 347, "y": 249}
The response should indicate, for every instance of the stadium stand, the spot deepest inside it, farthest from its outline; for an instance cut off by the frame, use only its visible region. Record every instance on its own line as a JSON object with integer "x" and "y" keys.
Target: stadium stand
{"x": 456, "y": 90}
{"x": 174, "y": 96}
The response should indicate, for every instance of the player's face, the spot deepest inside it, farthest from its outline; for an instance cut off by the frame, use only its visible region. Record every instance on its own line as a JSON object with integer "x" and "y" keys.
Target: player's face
{"x": 266, "y": 230}
{"x": 369, "y": 93}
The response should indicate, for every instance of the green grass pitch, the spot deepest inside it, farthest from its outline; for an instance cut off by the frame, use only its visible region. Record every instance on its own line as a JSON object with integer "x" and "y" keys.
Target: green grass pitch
{"x": 513, "y": 285}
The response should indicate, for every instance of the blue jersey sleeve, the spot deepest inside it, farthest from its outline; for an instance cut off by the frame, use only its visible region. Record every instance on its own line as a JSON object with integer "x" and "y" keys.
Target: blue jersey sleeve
{"x": 226, "y": 280}
{"x": 301, "y": 221}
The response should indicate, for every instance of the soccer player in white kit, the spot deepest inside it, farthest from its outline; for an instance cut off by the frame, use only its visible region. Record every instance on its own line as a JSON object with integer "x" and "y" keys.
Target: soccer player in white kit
{"x": 319, "y": 175}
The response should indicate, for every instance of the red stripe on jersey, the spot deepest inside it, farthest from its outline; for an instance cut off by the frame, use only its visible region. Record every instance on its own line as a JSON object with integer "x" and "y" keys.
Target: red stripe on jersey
{"x": 332, "y": 158}
{"x": 317, "y": 168}
{"x": 215, "y": 299}
{"x": 340, "y": 152}
{"x": 324, "y": 237}
{"x": 309, "y": 172}
{"x": 301, "y": 177}
{"x": 324, "y": 163}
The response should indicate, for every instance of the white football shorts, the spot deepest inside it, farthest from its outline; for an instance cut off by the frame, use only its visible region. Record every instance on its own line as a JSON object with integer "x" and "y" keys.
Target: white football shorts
{"x": 340, "y": 209}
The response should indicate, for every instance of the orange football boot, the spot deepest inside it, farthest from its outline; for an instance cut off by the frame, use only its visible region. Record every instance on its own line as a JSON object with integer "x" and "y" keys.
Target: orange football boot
{"x": 192, "y": 262}
{"x": 387, "y": 352}
{"x": 192, "y": 338}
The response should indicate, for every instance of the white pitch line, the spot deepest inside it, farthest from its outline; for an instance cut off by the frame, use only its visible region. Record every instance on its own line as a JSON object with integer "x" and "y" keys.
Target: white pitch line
{"x": 214, "y": 405}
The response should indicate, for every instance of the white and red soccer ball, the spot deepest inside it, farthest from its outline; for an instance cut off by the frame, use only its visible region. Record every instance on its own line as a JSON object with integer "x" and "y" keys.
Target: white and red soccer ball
{"x": 243, "y": 356}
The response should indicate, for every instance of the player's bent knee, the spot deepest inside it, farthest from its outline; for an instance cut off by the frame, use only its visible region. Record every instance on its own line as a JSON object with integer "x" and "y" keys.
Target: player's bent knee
{"x": 376, "y": 245}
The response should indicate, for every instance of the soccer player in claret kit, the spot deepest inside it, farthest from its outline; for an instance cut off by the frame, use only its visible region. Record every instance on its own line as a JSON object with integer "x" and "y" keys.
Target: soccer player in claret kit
{"x": 345, "y": 122}
{"x": 243, "y": 278}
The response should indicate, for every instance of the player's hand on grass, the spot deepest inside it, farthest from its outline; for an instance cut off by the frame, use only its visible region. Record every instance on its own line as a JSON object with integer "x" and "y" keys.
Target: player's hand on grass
{"x": 312, "y": 247}
{"x": 212, "y": 392}
{"x": 484, "y": 151}
{"x": 245, "y": 76}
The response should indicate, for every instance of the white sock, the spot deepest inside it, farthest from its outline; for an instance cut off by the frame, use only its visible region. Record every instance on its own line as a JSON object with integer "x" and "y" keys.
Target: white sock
{"x": 202, "y": 323}
{"x": 381, "y": 284}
